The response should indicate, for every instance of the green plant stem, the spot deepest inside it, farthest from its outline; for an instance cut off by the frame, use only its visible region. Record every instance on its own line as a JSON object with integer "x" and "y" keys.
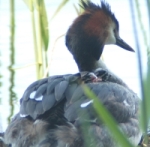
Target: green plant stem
{"x": 142, "y": 27}
{"x": 12, "y": 61}
{"x": 34, "y": 39}
{"x": 40, "y": 54}
{"x": 144, "y": 100}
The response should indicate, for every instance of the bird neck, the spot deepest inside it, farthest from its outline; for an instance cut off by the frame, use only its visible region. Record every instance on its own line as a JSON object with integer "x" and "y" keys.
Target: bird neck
{"x": 86, "y": 62}
{"x": 85, "y": 49}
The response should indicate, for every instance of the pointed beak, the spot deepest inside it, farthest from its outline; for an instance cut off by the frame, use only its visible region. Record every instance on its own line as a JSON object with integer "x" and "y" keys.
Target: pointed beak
{"x": 123, "y": 45}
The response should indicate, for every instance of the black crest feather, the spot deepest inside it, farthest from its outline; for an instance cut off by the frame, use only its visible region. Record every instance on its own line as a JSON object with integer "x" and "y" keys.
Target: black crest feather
{"x": 105, "y": 7}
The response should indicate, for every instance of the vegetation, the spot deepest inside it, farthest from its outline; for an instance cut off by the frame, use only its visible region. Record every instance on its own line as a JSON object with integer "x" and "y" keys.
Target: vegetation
{"x": 41, "y": 40}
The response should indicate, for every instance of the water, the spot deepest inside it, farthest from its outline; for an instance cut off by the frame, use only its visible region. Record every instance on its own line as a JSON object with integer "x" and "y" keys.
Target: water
{"x": 121, "y": 62}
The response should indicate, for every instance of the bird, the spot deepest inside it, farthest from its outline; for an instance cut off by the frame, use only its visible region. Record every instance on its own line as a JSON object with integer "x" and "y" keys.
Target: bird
{"x": 56, "y": 112}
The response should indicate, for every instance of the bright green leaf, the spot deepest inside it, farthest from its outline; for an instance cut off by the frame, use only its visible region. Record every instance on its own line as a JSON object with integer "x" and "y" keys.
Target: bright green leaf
{"x": 43, "y": 23}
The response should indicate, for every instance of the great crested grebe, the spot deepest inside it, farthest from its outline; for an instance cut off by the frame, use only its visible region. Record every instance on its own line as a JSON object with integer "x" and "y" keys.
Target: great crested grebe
{"x": 53, "y": 110}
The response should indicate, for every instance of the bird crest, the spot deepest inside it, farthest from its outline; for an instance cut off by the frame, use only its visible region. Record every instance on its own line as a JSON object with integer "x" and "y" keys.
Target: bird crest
{"x": 90, "y": 7}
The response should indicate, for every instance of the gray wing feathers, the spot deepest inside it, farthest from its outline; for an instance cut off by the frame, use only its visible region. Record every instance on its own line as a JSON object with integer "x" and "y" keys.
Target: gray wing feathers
{"x": 48, "y": 101}
{"x": 60, "y": 89}
{"x": 30, "y": 108}
{"x": 119, "y": 101}
{"x": 65, "y": 94}
{"x": 41, "y": 90}
{"x": 42, "y": 95}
